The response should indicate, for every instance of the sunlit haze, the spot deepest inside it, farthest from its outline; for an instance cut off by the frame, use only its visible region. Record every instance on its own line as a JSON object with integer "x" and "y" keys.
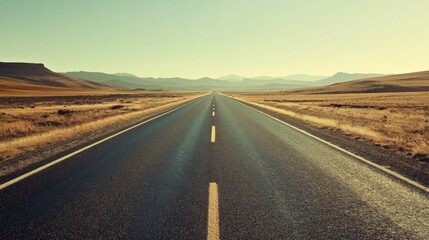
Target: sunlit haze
{"x": 194, "y": 39}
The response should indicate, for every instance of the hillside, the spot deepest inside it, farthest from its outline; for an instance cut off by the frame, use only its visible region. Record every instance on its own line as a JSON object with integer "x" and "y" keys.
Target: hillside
{"x": 343, "y": 77}
{"x": 342, "y": 83}
{"x": 32, "y": 78}
{"x": 408, "y": 82}
{"x": 230, "y": 82}
{"x": 150, "y": 83}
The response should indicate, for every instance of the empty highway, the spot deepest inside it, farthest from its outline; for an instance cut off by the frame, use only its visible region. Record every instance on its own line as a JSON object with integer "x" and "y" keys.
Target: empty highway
{"x": 212, "y": 169}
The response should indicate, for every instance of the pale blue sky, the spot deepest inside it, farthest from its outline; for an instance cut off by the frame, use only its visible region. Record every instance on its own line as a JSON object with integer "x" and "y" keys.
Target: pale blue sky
{"x": 195, "y": 38}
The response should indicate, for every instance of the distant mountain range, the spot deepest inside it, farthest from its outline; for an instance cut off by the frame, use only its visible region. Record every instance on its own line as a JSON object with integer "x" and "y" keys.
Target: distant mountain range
{"x": 232, "y": 78}
{"x": 299, "y": 77}
{"x": 36, "y": 78}
{"x": 125, "y": 75}
{"x": 230, "y": 82}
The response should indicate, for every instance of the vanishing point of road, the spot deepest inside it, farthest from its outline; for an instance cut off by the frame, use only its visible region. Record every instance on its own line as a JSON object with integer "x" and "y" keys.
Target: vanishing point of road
{"x": 212, "y": 169}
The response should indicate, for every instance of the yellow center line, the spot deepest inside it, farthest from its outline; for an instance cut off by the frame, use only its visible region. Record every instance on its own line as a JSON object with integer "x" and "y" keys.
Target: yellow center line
{"x": 213, "y": 114}
{"x": 213, "y": 216}
{"x": 213, "y": 138}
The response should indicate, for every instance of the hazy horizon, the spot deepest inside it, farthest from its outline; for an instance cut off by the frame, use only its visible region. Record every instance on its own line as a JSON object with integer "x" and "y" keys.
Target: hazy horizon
{"x": 194, "y": 39}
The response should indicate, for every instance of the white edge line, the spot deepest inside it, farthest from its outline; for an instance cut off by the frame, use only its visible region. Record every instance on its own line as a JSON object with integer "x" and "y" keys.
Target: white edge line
{"x": 386, "y": 170}
{"x": 39, "y": 169}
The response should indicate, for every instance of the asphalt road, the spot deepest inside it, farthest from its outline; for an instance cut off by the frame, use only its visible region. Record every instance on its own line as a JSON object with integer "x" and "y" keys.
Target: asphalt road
{"x": 213, "y": 168}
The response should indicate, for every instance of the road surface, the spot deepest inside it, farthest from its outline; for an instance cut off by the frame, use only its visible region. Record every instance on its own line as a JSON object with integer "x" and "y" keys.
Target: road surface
{"x": 212, "y": 169}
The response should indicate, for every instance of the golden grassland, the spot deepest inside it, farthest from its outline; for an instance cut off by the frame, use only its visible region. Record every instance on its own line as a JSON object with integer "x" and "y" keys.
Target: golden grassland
{"x": 28, "y": 124}
{"x": 398, "y": 121}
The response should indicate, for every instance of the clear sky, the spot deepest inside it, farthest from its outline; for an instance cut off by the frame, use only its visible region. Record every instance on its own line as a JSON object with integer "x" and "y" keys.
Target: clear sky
{"x": 196, "y": 38}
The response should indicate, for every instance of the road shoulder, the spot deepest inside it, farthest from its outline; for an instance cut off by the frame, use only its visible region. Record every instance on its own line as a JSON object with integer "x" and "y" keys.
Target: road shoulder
{"x": 402, "y": 164}
{"x": 20, "y": 165}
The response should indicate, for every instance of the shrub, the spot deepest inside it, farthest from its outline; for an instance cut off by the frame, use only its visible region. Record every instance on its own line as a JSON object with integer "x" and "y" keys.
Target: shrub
{"x": 115, "y": 107}
{"x": 64, "y": 112}
{"x": 49, "y": 124}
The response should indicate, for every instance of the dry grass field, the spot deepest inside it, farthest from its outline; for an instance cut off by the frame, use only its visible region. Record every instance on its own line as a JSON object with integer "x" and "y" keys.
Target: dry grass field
{"x": 397, "y": 121}
{"x": 30, "y": 79}
{"x": 29, "y": 124}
